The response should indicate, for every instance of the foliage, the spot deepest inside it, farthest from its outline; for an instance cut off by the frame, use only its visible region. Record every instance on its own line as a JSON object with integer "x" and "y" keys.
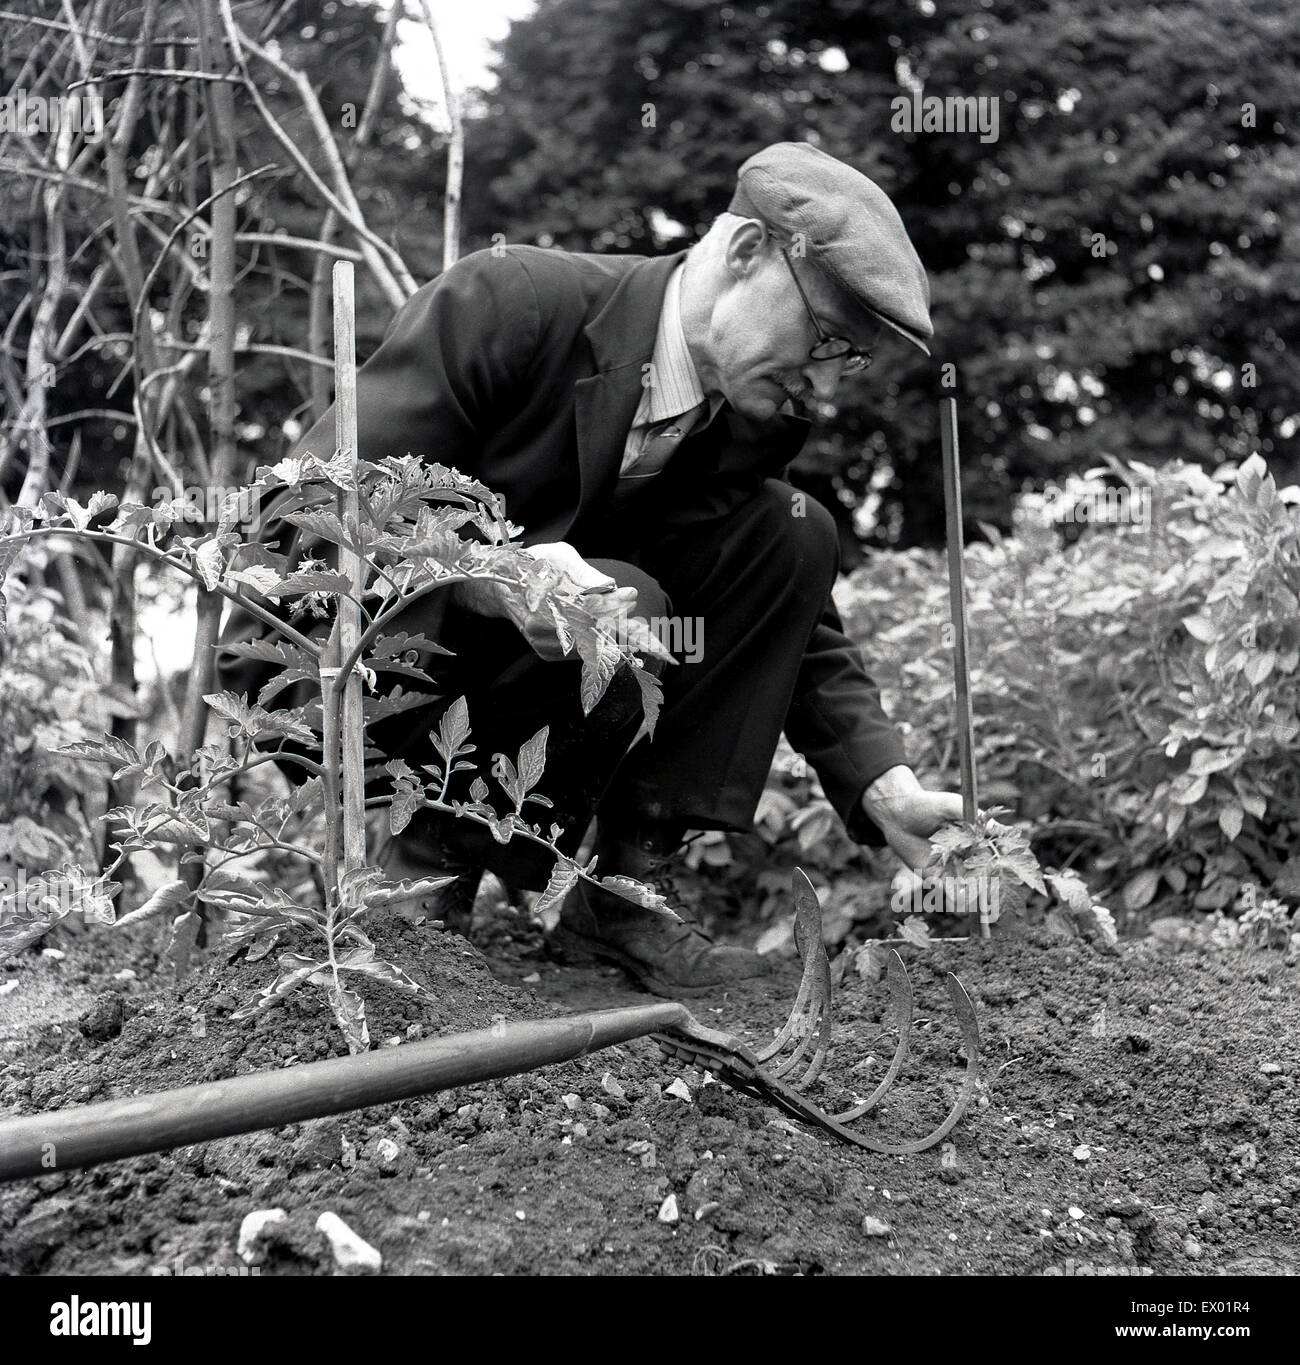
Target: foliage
{"x": 1263, "y": 924}
{"x": 1135, "y": 687}
{"x": 49, "y": 696}
{"x": 1114, "y": 665}
{"x": 988, "y": 868}
{"x": 1113, "y": 272}
{"x": 421, "y": 529}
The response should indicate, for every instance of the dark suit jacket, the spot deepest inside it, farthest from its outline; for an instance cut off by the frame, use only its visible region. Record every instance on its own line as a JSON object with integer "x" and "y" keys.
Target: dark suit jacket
{"x": 523, "y": 368}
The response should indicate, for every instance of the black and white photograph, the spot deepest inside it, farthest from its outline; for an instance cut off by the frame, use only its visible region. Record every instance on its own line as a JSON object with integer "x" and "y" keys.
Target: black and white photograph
{"x": 649, "y": 638}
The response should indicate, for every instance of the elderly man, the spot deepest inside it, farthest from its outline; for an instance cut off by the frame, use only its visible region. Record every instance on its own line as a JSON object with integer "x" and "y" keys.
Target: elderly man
{"x": 636, "y": 415}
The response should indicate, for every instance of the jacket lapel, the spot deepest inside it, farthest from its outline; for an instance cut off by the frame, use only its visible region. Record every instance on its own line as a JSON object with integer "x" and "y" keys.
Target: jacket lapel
{"x": 622, "y": 337}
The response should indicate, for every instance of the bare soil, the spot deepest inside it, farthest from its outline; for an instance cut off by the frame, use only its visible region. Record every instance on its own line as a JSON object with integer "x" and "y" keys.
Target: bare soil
{"x": 1137, "y": 1114}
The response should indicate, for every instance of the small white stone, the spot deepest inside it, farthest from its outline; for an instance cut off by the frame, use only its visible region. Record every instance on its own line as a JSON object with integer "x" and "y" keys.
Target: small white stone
{"x": 668, "y": 1210}
{"x": 611, "y": 1087}
{"x": 250, "y": 1231}
{"x": 350, "y": 1251}
{"x": 54, "y": 954}
{"x": 8, "y": 986}
{"x": 1271, "y": 1068}
{"x": 875, "y": 1227}
{"x": 1076, "y": 1212}
{"x": 532, "y": 978}
{"x": 126, "y": 974}
{"x": 571, "y": 1101}
{"x": 680, "y": 1089}
{"x": 1082, "y": 1152}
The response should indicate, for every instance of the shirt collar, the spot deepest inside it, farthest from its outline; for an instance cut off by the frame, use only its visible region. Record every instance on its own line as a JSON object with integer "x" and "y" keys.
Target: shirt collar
{"x": 677, "y": 386}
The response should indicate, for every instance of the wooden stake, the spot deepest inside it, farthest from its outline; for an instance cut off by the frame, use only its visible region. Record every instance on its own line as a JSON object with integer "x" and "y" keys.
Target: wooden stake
{"x": 351, "y": 566}
{"x": 957, "y": 601}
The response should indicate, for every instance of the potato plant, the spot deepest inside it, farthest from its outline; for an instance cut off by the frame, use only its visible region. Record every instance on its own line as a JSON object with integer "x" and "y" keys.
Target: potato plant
{"x": 1136, "y": 692}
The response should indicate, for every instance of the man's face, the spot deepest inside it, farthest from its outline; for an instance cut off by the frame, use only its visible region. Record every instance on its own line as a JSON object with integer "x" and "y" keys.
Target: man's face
{"x": 760, "y": 331}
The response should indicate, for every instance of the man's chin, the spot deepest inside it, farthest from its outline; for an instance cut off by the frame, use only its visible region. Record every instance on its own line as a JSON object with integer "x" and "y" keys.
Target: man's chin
{"x": 758, "y": 407}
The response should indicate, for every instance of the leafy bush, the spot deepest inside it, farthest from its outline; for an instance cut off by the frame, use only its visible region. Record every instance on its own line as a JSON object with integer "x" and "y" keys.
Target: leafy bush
{"x": 49, "y": 697}
{"x": 1135, "y": 686}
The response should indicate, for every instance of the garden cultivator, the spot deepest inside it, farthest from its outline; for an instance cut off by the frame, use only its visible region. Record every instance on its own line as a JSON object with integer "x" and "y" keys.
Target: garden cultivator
{"x": 779, "y": 1073}
{"x": 793, "y": 1060}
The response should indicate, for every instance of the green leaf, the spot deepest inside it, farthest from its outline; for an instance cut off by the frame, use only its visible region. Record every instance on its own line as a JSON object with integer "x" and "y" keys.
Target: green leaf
{"x": 504, "y": 772}
{"x": 453, "y": 730}
{"x": 391, "y": 646}
{"x": 1024, "y": 866}
{"x": 233, "y": 707}
{"x": 629, "y": 889}
{"x": 167, "y": 897}
{"x": 260, "y": 577}
{"x": 915, "y": 931}
{"x": 309, "y": 580}
{"x": 350, "y": 1015}
{"x": 386, "y": 972}
{"x": 564, "y": 876}
{"x": 1188, "y": 790}
{"x": 532, "y": 760}
{"x": 652, "y": 696}
{"x": 295, "y": 970}
{"x": 1071, "y": 890}
{"x": 1141, "y": 889}
{"x": 406, "y": 802}
{"x": 1231, "y": 818}
{"x": 210, "y": 563}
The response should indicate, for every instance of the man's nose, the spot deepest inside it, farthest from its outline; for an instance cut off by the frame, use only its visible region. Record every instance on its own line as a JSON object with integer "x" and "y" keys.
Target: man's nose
{"x": 823, "y": 377}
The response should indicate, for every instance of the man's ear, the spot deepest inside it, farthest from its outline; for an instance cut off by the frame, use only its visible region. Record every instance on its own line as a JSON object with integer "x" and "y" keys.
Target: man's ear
{"x": 745, "y": 247}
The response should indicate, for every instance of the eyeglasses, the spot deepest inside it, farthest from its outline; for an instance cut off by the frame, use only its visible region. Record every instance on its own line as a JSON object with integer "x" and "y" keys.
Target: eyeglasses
{"x": 829, "y": 347}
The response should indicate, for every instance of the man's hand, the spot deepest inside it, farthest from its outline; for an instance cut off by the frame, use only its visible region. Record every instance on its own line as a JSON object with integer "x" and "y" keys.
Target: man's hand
{"x": 908, "y": 814}
{"x": 569, "y": 573}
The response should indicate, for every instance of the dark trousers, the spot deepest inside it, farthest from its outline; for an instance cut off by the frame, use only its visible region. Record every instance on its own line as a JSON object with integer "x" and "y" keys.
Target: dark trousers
{"x": 751, "y": 579}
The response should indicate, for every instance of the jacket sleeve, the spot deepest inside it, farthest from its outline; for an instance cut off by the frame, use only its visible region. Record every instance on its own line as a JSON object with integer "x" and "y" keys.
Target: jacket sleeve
{"x": 837, "y": 722}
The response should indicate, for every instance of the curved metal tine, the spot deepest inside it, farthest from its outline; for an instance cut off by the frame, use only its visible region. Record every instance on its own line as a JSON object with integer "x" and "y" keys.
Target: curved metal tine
{"x": 814, "y": 984}
{"x": 900, "y": 997}
{"x": 814, "y": 1028}
{"x": 822, "y": 1023}
{"x": 970, "y": 1032}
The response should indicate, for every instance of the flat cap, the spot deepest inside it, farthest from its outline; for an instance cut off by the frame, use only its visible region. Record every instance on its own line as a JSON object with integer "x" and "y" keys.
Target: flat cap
{"x": 851, "y": 229}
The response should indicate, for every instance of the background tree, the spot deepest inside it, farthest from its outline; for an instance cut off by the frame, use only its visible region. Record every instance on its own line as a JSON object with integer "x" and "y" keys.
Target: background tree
{"x": 1117, "y": 273}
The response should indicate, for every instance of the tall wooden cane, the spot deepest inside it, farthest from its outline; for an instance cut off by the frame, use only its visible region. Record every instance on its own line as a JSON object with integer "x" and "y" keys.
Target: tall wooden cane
{"x": 957, "y": 601}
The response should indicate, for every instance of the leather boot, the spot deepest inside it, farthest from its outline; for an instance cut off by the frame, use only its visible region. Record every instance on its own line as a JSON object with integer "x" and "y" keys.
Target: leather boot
{"x": 668, "y": 959}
